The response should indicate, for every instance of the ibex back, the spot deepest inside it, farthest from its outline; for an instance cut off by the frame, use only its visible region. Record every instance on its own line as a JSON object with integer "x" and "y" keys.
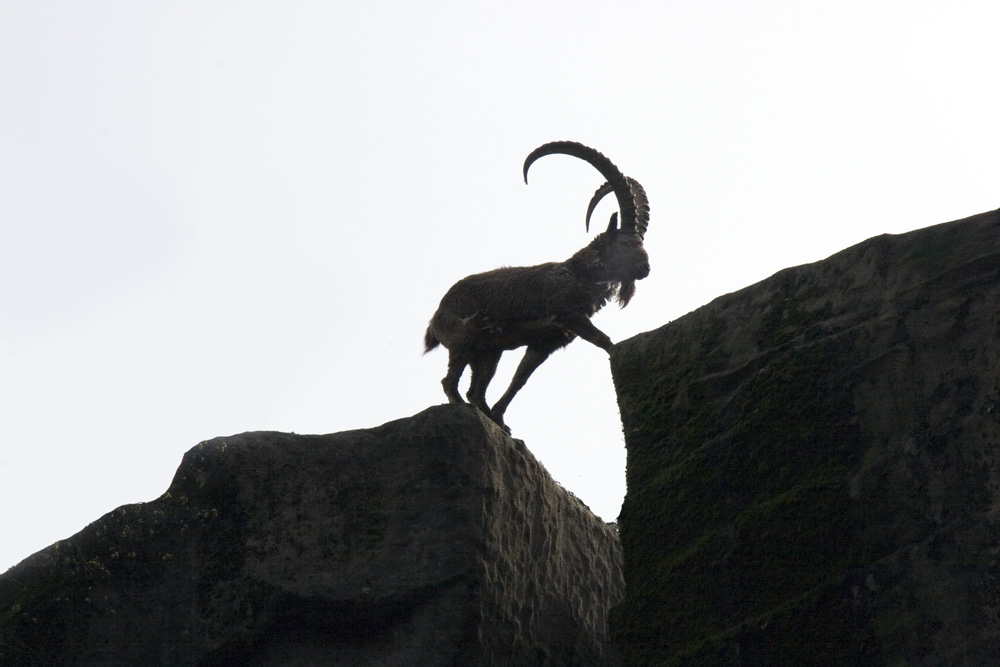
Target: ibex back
{"x": 542, "y": 307}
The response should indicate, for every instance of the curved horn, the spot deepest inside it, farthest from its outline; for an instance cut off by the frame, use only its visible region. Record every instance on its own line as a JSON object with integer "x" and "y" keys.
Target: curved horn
{"x": 595, "y": 200}
{"x": 617, "y": 182}
{"x": 641, "y": 205}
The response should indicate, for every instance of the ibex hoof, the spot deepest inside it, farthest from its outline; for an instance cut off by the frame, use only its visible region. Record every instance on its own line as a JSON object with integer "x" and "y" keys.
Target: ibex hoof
{"x": 496, "y": 420}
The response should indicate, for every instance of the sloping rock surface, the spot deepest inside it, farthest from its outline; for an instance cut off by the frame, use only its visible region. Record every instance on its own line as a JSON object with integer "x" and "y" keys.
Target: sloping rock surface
{"x": 434, "y": 540}
{"x": 814, "y": 464}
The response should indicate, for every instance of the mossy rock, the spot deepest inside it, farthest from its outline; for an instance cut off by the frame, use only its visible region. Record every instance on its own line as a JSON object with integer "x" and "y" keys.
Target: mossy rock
{"x": 813, "y": 463}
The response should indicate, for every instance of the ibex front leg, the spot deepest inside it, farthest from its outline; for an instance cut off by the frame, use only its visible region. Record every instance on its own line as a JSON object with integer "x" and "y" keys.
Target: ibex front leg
{"x": 586, "y": 330}
{"x": 533, "y": 358}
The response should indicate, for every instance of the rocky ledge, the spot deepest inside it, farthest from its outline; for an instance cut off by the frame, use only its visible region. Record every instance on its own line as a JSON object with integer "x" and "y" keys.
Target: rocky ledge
{"x": 433, "y": 540}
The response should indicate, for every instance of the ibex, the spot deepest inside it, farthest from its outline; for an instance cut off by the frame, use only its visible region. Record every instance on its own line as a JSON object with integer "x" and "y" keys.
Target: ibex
{"x": 542, "y": 307}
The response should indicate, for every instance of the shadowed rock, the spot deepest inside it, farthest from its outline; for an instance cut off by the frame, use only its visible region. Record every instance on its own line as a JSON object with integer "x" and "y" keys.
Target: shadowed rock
{"x": 814, "y": 464}
{"x": 434, "y": 540}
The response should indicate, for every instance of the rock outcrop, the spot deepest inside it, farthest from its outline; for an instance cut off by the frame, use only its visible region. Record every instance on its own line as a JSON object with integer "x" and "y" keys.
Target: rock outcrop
{"x": 814, "y": 464}
{"x": 434, "y": 540}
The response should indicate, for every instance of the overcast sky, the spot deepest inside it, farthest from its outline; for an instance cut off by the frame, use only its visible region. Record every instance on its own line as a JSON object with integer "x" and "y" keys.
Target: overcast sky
{"x": 221, "y": 217}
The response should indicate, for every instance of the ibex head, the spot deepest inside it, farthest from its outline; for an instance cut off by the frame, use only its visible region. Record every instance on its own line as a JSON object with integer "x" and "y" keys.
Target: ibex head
{"x": 618, "y": 253}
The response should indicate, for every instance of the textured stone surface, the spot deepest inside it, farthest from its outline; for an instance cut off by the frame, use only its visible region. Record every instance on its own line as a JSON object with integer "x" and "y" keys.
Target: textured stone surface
{"x": 434, "y": 540}
{"x": 814, "y": 464}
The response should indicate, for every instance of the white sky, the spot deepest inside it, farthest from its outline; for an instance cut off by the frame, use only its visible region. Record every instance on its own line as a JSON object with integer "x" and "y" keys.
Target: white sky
{"x": 218, "y": 217}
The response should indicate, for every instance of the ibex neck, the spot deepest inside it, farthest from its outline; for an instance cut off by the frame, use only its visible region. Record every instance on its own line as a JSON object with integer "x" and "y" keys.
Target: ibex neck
{"x": 588, "y": 265}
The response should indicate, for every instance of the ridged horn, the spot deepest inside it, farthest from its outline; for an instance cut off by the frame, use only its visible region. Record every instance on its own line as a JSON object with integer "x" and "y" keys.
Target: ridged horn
{"x": 626, "y": 189}
{"x": 641, "y": 208}
{"x": 641, "y": 204}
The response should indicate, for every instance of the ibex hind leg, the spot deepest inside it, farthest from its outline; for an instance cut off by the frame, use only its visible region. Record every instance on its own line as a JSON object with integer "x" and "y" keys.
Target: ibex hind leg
{"x": 484, "y": 367}
{"x": 457, "y": 361}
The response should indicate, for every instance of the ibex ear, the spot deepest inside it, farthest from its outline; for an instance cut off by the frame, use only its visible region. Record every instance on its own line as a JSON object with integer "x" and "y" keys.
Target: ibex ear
{"x": 613, "y": 223}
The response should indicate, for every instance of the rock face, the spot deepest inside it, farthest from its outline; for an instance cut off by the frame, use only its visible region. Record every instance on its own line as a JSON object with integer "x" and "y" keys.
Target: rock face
{"x": 434, "y": 540}
{"x": 814, "y": 464}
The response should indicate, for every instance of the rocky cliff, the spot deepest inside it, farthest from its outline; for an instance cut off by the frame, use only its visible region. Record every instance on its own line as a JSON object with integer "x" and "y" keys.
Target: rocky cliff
{"x": 814, "y": 464}
{"x": 434, "y": 540}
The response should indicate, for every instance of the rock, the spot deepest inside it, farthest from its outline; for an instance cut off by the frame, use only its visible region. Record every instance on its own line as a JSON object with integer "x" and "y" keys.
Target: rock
{"x": 434, "y": 540}
{"x": 814, "y": 464}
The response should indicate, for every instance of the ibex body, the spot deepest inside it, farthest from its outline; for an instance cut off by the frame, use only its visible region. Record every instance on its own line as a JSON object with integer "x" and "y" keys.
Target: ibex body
{"x": 542, "y": 307}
